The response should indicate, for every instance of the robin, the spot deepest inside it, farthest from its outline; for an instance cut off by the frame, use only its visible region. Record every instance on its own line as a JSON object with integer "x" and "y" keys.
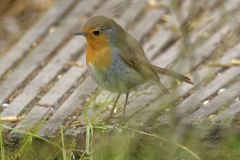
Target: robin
{"x": 117, "y": 62}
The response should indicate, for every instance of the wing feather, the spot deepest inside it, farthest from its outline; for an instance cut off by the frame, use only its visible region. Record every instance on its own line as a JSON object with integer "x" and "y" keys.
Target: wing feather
{"x": 134, "y": 56}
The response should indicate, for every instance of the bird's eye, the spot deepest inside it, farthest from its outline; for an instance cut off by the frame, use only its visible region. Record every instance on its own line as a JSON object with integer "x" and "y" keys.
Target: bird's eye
{"x": 96, "y": 32}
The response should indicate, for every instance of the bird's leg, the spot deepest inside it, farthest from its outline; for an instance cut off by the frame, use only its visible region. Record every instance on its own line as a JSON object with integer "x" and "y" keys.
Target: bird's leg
{"x": 125, "y": 105}
{"x": 115, "y": 105}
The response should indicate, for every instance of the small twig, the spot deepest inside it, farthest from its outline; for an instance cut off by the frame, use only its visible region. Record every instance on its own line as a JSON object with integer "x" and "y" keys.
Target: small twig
{"x": 15, "y": 94}
{"x": 74, "y": 63}
{"x": 234, "y": 62}
{"x": 12, "y": 118}
{"x": 44, "y": 105}
{"x": 219, "y": 65}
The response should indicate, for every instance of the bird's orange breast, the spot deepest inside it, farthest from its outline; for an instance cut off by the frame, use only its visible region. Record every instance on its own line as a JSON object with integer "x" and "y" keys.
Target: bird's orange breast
{"x": 99, "y": 52}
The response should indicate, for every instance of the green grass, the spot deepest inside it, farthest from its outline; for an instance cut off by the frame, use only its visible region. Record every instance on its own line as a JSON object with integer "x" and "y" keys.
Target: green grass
{"x": 1, "y": 142}
{"x": 105, "y": 141}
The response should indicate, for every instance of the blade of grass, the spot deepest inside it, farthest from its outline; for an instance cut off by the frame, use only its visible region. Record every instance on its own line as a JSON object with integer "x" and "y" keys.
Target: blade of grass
{"x": 63, "y": 145}
{"x": 73, "y": 144}
{"x": 89, "y": 136}
{"x": 87, "y": 139}
{"x": 1, "y": 142}
{"x": 98, "y": 113}
{"x": 87, "y": 107}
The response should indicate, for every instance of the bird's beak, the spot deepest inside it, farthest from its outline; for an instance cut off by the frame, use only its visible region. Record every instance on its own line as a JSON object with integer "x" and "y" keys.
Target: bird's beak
{"x": 80, "y": 33}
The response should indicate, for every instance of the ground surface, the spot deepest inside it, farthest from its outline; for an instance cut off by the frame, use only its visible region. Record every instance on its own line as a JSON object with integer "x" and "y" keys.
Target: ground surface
{"x": 42, "y": 86}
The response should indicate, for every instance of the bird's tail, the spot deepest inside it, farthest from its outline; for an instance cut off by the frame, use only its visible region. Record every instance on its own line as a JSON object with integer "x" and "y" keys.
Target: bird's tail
{"x": 172, "y": 74}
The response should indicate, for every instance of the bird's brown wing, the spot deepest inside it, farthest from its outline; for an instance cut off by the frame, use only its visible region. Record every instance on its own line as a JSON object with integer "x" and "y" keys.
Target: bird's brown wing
{"x": 133, "y": 54}
{"x": 172, "y": 74}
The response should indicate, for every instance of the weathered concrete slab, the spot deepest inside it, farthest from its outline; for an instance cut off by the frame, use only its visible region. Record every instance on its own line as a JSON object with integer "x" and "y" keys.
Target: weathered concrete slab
{"x": 40, "y": 28}
{"x": 48, "y": 73}
{"x": 214, "y": 105}
{"x": 31, "y": 121}
{"x": 76, "y": 100}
